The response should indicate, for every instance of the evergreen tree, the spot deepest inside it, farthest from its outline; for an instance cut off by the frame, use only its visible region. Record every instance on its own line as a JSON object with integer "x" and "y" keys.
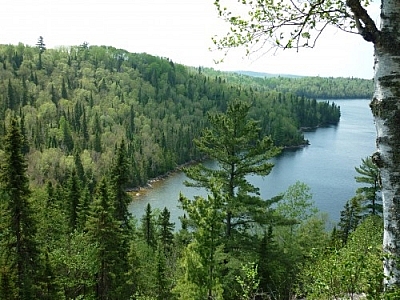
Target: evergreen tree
{"x": 148, "y": 227}
{"x": 104, "y": 230}
{"x": 97, "y": 134}
{"x": 83, "y": 208}
{"x": 202, "y": 259}
{"x": 64, "y": 93}
{"x": 20, "y": 255}
{"x": 119, "y": 180}
{"x": 234, "y": 142}
{"x": 166, "y": 230}
{"x": 163, "y": 277}
{"x": 25, "y": 142}
{"x": 73, "y": 194}
{"x": 369, "y": 174}
{"x": 270, "y": 269}
{"x": 350, "y": 218}
{"x": 42, "y": 47}
{"x": 80, "y": 172}
{"x": 11, "y": 97}
{"x": 67, "y": 140}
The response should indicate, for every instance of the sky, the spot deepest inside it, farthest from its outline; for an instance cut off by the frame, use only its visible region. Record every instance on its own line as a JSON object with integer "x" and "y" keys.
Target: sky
{"x": 180, "y": 30}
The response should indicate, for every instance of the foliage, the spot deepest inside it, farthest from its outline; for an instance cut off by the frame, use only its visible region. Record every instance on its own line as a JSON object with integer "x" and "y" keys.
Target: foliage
{"x": 85, "y": 100}
{"x": 95, "y": 122}
{"x": 19, "y": 256}
{"x": 249, "y": 282}
{"x": 304, "y": 233}
{"x": 309, "y": 87}
{"x": 370, "y": 194}
{"x": 233, "y": 141}
{"x": 285, "y": 25}
{"x": 355, "y": 268}
{"x": 350, "y": 218}
{"x": 366, "y": 202}
{"x": 104, "y": 230}
{"x": 206, "y": 216}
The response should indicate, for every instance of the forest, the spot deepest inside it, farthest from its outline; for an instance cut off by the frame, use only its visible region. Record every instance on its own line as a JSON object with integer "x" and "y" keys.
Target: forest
{"x": 310, "y": 87}
{"x": 82, "y": 126}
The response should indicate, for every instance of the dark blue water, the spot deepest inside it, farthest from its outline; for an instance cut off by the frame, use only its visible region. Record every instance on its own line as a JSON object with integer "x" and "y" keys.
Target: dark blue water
{"x": 326, "y": 165}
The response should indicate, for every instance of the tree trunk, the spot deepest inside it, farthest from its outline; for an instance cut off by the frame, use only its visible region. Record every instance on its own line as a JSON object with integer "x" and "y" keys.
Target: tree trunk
{"x": 386, "y": 110}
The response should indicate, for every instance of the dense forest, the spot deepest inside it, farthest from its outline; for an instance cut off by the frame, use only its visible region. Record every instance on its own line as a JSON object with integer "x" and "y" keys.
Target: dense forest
{"x": 85, "y": 100}
{"x": 81, "y": 125}
{"x": 310, "y": 87}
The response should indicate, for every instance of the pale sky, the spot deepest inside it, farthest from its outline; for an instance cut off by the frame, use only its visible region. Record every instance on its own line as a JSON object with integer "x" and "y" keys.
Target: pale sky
{"x": 177, "y": 29}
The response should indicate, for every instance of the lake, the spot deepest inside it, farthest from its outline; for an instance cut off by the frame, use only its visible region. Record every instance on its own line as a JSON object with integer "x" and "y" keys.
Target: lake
{"x": 326, "y": 166}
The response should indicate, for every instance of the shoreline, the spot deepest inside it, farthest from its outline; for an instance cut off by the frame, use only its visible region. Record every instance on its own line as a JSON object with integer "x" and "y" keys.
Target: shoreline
{"x": 137, "y": 191}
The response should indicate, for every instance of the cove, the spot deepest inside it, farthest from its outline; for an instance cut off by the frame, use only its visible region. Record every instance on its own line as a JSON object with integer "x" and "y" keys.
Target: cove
{"x": 326, "y": 166}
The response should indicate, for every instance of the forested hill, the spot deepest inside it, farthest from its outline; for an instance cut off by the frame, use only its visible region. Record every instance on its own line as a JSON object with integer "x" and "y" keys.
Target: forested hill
{"x": 77, "y": 104}
{"x": 310, "y": 87}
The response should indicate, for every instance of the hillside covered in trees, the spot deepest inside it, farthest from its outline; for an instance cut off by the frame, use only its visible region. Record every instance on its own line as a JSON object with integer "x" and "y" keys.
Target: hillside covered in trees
{"x": 85, "y": 100}
{"x": 81, "y": 124}
{"x": 310, "y": 87}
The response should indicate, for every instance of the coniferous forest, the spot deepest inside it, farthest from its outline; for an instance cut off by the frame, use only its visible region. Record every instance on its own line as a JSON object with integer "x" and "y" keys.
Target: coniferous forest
{"x": 81, "y": 126}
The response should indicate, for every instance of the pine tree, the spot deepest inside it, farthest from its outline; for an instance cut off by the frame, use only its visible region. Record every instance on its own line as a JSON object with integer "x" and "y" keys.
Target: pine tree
{"x": 42, "y": 47}
{"x": 234, "y": 142}
{"x": 370, "y": 194}
{"x": 20, "y": 251}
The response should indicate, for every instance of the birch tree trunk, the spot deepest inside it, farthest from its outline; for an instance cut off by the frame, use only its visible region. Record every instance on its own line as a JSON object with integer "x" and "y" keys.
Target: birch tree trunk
{"x": 385, "y": 107}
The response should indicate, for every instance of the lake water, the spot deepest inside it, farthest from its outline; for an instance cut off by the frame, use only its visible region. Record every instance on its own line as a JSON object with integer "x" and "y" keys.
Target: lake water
{"x": 326, "y": 166}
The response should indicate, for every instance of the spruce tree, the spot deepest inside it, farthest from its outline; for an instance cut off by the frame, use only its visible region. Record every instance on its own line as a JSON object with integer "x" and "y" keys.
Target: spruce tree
{"x": 20, "y": 255}
{"x": 350, "y": 218}
{"x": 73, "y": 194}
{"x": 119, "y": 180}
{"x": 104, "y": 230}
{"x": 25, "y": 143}
{"x": 148, "y": 227}
{"x": 166, "y": 230}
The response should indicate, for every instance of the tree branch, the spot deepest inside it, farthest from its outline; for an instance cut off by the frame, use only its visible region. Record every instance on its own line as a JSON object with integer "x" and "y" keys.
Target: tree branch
{"x": 364, "y": 24}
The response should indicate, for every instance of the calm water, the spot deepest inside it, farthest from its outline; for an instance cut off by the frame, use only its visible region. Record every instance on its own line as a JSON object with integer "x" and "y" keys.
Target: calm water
{"x": 326, "y": 165}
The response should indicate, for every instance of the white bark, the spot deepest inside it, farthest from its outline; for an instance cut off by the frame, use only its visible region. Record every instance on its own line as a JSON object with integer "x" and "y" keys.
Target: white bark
{"x": 386, "y": 109}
